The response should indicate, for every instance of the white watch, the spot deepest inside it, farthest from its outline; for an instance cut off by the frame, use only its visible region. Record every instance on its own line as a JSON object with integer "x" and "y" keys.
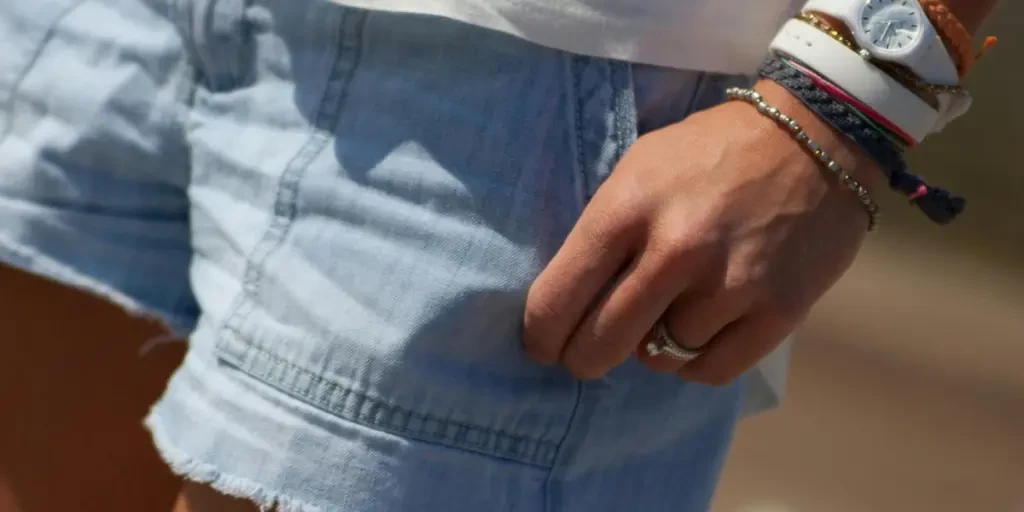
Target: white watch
{"x": 896, "y": 31}
{"x": 858, "y": 77}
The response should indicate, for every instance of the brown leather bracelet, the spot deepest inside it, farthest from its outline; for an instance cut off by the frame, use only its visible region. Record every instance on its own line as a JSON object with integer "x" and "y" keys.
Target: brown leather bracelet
{"x": 954, "y": 36}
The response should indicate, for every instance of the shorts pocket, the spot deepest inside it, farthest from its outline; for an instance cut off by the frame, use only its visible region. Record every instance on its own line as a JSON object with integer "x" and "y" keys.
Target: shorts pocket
{"x": 385, "y": 195}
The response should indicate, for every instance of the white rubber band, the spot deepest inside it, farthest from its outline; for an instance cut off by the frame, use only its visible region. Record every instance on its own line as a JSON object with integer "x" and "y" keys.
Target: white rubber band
{"x": 858, "y": 77}
{"x": 931, "y": 60}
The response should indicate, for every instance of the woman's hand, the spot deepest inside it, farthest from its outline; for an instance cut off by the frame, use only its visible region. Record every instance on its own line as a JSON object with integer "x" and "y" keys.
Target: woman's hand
{"x": 722, "y": 225}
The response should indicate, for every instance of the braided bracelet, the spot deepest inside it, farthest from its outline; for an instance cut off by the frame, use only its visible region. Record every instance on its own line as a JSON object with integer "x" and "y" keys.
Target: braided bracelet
{"x": 938, "y": 204}
{"x": 797, "y": 132}
{"x": 839, "y": 116}
{"x": 897, "y": 138}
{"x": 954, "y": 36}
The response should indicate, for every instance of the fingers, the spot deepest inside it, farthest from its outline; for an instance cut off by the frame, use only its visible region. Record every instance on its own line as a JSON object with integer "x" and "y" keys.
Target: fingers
{"x": 592, "y": 256}
{"x": 611, "y": 332}
{"x": 693, "y": 322}
{"x": 738, "y": 347}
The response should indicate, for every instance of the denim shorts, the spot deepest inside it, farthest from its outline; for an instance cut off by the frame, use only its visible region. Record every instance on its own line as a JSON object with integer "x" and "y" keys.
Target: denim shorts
{"x": 344, "y": 210}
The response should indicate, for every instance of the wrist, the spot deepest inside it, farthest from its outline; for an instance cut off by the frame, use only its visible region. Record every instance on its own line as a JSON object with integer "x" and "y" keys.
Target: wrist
{"x": 853, "y": 159}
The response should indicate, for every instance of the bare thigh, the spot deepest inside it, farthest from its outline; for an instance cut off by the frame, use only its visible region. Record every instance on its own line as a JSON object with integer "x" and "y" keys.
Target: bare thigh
{"x": 73, "y": 392}
{"x": 200, "y": 498}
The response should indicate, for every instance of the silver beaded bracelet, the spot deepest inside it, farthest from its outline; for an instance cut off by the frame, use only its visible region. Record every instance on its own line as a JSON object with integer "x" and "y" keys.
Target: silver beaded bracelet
{"x": 754, "y": 98}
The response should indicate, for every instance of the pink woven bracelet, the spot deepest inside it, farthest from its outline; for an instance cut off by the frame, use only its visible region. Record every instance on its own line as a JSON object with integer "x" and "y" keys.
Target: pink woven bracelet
{"x": 843, "y": 96}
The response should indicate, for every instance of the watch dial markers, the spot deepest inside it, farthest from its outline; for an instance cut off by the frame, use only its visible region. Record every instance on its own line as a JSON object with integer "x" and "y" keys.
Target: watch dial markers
{"x": 890, "y": 24}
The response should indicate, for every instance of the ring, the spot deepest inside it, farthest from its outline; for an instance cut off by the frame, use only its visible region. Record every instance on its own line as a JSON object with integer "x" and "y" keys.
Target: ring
{"x": 663, "y": 343}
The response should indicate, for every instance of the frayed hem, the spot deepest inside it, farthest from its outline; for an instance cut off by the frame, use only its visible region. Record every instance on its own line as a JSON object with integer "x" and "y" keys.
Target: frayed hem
{"x": 34, "y": 262}
{"x": 204, "y": 473}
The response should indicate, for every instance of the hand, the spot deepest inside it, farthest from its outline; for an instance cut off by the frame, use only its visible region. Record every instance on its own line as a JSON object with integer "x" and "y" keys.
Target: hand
{"x": 722, "y": 225}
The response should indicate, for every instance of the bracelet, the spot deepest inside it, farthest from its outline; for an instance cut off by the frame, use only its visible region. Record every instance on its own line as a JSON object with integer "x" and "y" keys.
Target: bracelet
{"x": 871, "y": 117}
{"x": 938, "y": 204}
{"x": 952, "y": 101}
{"x": 954, "y": 36}
{"x": 838, "y": 115}
{"x": 754, "y": 98}
{"x": 862, "y": 80}
{"x": 928, "y": 92}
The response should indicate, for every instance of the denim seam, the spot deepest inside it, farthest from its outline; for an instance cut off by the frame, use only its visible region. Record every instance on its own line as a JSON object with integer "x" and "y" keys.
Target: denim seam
{"x": 621, "y": 108}
{"x": 575, "y": 107}
{"x": 372, "y": 412}
{"x": 549, "y": 505}
{"x": 184, "y": 97}
{"x": 285, "y": 203}
{"x": 573, "y": 103}
{"x": 177, "y": 13}
{"x": 698, "y": 90}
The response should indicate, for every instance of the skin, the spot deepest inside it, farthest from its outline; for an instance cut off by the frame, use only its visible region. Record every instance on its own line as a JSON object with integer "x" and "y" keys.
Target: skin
{"x": 732, "y": 246}
{"x": 199, "y": 498}
{"x": 73, "y": 391}
{"x": 730, "y": 236}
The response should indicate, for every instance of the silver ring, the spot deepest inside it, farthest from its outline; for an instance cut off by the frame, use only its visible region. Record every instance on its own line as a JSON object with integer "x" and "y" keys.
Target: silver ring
{"x": 664, "y": 344}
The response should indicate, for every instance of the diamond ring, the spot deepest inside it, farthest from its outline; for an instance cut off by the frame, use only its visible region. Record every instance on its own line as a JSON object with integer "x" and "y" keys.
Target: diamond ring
{"x": 664, "y": 344}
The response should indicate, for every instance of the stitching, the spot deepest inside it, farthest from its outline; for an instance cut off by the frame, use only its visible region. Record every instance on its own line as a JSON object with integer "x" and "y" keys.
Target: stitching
{"x": 373, "y": 412}
{"x": 363, "y": 399}
{"x": 549, "y": 504}
{"x": 285, "y": 206}
{"x": 698, "y": 89}
{"x": 624, "y": 136}
{"x": 285, "y": 203}
{"x": 574, "y": 104}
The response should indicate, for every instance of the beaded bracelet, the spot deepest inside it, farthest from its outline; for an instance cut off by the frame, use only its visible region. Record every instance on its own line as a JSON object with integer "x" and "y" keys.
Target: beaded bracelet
{"x": 836, "y": 114}
{"x": 797, "y": 132}
{"x": 938, "y": 204}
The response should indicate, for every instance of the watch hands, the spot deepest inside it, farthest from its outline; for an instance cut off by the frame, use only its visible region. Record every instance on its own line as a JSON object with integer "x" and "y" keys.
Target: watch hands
{"x": 885, "y": 37}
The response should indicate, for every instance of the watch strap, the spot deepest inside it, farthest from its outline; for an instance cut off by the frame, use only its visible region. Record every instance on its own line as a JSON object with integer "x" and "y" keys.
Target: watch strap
{"x": 935, "y": 65}
{"x": 858, "y": 77}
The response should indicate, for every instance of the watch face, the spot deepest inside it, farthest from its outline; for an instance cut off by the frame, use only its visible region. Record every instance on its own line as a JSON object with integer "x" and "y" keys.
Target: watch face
{"x": 891, "y": 25}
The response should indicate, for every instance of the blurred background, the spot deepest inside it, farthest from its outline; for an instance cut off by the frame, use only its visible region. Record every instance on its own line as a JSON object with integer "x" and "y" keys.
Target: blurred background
{"x": 906, "y": 391}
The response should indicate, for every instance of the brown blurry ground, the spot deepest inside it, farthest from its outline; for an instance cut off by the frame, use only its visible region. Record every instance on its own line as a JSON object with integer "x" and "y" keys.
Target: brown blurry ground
{"x": 907, "y": 385}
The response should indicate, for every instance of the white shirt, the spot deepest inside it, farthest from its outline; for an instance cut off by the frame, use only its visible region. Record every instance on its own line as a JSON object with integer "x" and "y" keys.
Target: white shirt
{"x": 729, "y": 36}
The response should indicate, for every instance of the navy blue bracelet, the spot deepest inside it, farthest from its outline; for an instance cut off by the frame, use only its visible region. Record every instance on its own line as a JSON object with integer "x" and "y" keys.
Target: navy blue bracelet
{"x": 938, "y": 204}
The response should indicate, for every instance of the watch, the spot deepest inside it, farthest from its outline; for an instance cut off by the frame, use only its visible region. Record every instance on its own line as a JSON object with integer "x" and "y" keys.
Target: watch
{"x": 858, "y": 77}
{"x": 896, "y": 31}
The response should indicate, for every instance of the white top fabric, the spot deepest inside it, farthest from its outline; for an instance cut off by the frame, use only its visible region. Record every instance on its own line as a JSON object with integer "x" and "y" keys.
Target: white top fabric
{"x": 728, "y": 36}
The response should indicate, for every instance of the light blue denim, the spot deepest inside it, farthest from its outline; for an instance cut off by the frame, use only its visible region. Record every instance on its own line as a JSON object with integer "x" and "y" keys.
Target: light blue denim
{"x": 345, "y": 210}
